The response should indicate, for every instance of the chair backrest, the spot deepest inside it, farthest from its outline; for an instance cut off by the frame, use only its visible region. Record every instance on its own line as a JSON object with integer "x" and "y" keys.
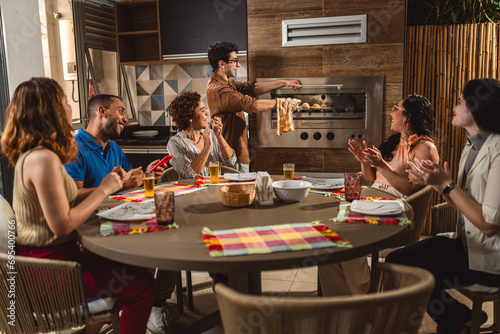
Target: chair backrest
{"x": 226, "y": 169}
{"x": 444, "y": 218}
{"x": 169, "y": 174}
{"x": 6, "y": 218}
{"x": 49, "y": 295}
{"x": 396, "y": 307}
{"x": 420, "y": 202}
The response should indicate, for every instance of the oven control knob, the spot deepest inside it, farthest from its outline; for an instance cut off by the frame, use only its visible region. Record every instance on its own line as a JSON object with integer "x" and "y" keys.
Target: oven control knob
{"x": 317, "y": 135}
{"x": 353, "y": 136}
{"x": 330, "y": 135}
{"x": 304, "y": 136}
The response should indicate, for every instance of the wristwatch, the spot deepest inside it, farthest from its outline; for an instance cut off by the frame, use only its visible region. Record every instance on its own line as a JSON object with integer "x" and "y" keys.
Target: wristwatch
{"x": 448, "y": 188}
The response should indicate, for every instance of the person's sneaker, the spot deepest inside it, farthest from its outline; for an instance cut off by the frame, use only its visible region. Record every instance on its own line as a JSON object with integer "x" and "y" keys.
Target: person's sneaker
{"x": 173, "y": 312}
{"x": 157, "y": 322}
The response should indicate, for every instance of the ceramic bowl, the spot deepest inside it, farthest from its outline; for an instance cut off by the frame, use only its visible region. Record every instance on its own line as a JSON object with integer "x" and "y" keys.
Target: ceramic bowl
{"x": 291, "y": 190}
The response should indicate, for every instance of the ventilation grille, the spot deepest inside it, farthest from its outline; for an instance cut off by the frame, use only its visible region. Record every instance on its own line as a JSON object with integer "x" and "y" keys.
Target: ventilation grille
{"x": 325, "y": 30}
{"x": 100, "y": 31}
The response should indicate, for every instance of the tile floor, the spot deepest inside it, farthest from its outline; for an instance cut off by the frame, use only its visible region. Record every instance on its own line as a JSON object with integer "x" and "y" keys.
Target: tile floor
{"x": 292, "y": 282}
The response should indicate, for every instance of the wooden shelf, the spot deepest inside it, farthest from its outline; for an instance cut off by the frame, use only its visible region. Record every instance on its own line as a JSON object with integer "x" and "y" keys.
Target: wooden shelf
{"x": 138, "y": 31}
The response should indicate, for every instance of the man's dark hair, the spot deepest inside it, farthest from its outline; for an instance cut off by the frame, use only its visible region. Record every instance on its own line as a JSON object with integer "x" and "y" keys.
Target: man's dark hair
{"x": 104, "y": 100}
{"x": 220, "y": 51}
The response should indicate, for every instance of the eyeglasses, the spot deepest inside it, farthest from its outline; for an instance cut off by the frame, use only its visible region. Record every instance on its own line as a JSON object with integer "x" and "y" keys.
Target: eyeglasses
{"x": 395, "y": 108}
{"x": 234, "y": 60}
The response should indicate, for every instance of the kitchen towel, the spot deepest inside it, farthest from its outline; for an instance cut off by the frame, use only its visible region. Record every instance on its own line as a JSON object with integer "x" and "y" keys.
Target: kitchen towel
{"x": 108, "y": 227}
{"x": 284, "y": 114}
{"x": 271, "y": 239}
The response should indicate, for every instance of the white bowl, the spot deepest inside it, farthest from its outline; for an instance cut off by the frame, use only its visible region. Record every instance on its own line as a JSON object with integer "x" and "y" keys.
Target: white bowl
{"x": 291, "y": 190}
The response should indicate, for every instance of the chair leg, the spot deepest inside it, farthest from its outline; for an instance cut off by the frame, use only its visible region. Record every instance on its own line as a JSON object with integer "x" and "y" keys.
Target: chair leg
{"x": 178, "y": 293}
{"x": 320, "y": 290}
{"x": 189, "y": 287}
{"x": 496, "y": 316}
{"x": 115, "y": 320}
{"x": 477, "y": 305}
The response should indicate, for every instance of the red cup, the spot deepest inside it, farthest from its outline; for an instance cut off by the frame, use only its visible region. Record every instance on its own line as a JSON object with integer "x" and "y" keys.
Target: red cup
{"x": 352, "y": 186}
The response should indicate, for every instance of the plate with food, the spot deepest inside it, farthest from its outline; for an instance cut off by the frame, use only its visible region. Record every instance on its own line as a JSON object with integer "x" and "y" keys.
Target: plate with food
{"x": 129, "y": 211}
{"x": 325, "y": 184}
{"x": 240, "y": 176}
{"x": 377, "y": 207}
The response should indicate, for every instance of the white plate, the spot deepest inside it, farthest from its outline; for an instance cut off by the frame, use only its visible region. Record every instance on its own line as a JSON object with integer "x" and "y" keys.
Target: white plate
{"x": 145, "y": 133}
{"x": 129, "y": 211}
{"x": 320, "y": 184}
{"x": 377, "y": 207}
{"x": 240, "y": 176}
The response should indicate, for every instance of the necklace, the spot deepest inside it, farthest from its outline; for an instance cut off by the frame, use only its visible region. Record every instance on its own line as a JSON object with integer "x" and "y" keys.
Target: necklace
{"x": 199, "y": 139}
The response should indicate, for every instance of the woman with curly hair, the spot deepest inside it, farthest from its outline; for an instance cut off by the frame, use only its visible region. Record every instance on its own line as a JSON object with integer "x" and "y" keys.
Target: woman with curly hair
{"x": 38, "y": 142}
{"x": 200, "y": 139}
{"x": 413, "y": 122}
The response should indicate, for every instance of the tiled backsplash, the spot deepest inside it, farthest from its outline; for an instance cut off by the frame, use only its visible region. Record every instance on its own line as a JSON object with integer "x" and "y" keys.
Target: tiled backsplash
{"x": 158, "y": 85}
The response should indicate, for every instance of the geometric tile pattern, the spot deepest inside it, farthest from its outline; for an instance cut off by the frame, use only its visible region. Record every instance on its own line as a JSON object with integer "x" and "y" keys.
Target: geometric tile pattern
{"x": 158, "y": 85}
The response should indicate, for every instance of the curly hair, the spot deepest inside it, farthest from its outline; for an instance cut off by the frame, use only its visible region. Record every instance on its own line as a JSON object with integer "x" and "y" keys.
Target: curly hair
{"x": 182, "y": 109}
{"x": 419, "y": 115}
{"x": 482, "y": 97}
{"x": 220, "y": 51}
{"x": 36, "y": 117}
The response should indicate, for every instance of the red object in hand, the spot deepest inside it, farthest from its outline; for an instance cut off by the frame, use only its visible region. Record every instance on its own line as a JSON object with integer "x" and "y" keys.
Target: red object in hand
{"x": 163, "y": 161}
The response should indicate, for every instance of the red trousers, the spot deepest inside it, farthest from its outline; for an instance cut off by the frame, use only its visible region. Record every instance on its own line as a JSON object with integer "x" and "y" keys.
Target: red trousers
{"x": 133, "y": 287}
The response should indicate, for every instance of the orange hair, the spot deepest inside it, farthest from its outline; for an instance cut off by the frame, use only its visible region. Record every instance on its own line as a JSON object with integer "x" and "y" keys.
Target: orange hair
{"x": 36, "y": 117}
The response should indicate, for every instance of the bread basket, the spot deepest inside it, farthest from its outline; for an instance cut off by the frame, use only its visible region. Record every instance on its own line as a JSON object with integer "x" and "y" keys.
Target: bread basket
{"x": 238, "y": 195}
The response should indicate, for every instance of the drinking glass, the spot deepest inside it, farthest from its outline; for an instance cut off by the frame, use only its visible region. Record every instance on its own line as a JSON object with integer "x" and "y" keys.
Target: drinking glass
{"x": 165, "y": 207}
{"x": 352, "y": 186}
{"x": 288, "y": 170}
{"x": 214, "y": 172}
{"x": 148, "y": 180}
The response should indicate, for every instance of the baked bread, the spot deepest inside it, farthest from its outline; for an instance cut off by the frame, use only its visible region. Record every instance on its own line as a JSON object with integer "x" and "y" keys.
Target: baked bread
{"x": 306, "y": 106}
{"x": 315, "y": 106}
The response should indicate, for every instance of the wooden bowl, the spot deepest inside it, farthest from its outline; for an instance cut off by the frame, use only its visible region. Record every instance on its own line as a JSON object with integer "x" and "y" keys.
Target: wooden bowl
{"x": 238, "y": 195}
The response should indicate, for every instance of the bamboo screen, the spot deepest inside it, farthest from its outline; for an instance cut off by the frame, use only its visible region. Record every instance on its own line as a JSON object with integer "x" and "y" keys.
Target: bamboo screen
{"x": 439, "y": 61}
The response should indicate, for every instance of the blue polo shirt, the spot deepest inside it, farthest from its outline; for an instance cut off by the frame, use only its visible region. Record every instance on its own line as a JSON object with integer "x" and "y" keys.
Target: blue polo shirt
{"x": 93, "y": 163}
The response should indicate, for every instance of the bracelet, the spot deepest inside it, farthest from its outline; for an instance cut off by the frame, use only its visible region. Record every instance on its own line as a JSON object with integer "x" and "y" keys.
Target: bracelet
{"x": 449, "y": 188}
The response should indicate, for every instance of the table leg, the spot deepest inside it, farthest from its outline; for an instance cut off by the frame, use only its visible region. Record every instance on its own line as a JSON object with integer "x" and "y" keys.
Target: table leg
{"x": 249, "y": 283}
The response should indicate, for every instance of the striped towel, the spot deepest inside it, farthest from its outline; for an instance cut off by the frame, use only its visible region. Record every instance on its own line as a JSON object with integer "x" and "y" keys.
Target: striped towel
{"x": 108, "y": 227}
{"x": 271, "y": 239}
{"x": 138, "y": 195}
{"x": 284, "y": 114}
{"x": 345, "y": 215}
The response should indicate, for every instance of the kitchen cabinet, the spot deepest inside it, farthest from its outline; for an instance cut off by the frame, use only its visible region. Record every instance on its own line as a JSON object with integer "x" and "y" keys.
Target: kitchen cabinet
{"x": 138, "y": 31}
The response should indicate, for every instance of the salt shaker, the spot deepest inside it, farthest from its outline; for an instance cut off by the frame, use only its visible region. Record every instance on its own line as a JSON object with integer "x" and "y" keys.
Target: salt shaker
{"x": 264, "y": 187}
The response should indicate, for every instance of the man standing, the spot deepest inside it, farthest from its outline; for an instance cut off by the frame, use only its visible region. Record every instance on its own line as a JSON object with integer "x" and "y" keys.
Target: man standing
{"x": 97, "y": 156}
{"x": 229, "y": 99}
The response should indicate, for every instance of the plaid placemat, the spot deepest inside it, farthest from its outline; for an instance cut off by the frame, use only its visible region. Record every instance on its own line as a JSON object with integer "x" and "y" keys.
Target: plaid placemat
{"x": 345, "y": 215}
{"x": 205, "y": 181}
{"x": 137, "y": 195}
{"x": 108, "y": 227}
{"x": 271, "y": 239}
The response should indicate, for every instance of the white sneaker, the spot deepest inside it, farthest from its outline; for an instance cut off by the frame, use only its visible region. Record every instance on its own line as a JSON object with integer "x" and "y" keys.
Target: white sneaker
{"x": 157, "y": 322}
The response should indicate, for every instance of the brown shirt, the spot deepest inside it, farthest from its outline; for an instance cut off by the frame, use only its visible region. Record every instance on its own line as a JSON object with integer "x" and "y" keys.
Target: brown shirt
{"x": 228, "y": 99}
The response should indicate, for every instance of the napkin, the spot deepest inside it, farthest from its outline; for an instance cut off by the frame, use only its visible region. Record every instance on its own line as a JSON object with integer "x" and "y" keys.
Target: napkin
{"x": 264, "y": 187}
{"x": 284, "y": 114}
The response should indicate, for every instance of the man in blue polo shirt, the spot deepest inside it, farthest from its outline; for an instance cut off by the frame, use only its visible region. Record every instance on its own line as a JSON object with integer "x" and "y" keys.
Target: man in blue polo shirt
{"x": 97, "y": 153}
{"x": 97, "y": 156}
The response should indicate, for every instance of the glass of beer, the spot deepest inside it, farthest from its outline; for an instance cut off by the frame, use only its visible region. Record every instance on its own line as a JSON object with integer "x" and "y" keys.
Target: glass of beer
{"x": 214, "y": 172}
{"x": 288, "y": 170}
{"x": 148, "y": 180}
{"x": 164, "y": 206}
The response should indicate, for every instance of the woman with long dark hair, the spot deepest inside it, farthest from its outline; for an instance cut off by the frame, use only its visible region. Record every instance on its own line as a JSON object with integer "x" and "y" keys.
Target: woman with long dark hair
{"x": 413, "y": 122}
{"x": 38, "y": 142}
{"x": 471, "y": 255}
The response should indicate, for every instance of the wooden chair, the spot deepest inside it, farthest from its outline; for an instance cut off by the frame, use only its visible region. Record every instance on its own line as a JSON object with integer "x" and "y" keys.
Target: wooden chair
{"x": 6, "y": 216}
{"x": 49, "y": 297}
{"x": 444, "y": 219}
{"x": 399, "y": 294}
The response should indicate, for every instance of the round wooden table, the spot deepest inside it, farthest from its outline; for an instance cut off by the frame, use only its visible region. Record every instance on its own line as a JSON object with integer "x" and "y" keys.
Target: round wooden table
{"x": 183, "y": 248}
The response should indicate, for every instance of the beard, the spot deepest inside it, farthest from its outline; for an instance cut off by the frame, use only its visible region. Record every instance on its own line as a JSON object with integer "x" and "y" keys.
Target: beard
{"x": 112, "y": 129}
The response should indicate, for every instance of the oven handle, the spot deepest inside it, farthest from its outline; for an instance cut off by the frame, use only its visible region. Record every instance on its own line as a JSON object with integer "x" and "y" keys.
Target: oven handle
{"x": 316, "y": 124}
{"x": 307, "y": 86}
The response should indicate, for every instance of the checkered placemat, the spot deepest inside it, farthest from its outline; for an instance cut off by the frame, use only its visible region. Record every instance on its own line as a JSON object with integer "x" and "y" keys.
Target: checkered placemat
{"x": 137, "y": 195}
{"x": 345, "y": 215}
{"x": 271, "y": 239}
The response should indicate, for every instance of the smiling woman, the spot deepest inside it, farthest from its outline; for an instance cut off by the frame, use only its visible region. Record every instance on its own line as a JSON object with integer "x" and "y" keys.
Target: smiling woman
{"x": 200, "y": 140}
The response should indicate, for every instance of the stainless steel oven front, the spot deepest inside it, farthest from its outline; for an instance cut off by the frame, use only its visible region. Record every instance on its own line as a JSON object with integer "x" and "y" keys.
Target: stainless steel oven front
{"x": 332, "y": 110}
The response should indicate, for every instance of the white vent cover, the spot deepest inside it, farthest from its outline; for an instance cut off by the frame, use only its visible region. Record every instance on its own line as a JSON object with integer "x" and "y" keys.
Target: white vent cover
{"x": 325, "y": 30}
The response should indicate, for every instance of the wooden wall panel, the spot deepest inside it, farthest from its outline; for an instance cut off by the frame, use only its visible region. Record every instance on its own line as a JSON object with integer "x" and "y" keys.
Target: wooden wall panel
{"x": 383, "y": 54}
